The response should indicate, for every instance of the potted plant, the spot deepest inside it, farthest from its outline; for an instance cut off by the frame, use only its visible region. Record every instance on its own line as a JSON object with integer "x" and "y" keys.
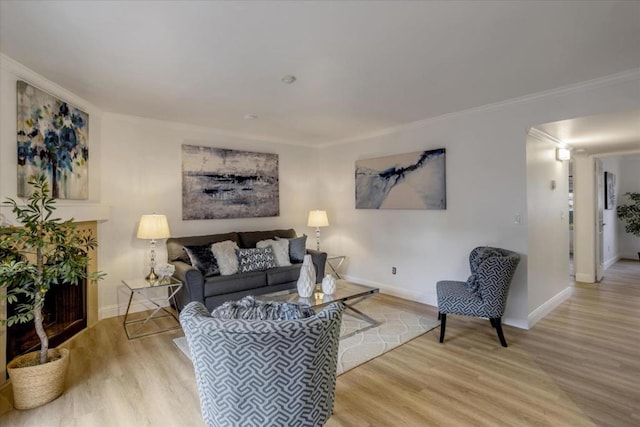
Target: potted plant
{"x": 630, "y": 214}
{"x": 42, "y": 252}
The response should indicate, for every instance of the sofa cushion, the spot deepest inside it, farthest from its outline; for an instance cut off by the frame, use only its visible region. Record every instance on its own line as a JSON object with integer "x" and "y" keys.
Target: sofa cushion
{"x": 226, "y": 257}
{"x": 280, "y": 250}
{"x": 220, "y": 285}
{"x": 248, "y": 239}
{"x": 255, "y": 259}
{"x": 202, "y": 258}
{"x": 297, "y": 248}
{"x": 249, "y": 309}
{"x": 175, "y": 245}
{"x": 280, "y": 275}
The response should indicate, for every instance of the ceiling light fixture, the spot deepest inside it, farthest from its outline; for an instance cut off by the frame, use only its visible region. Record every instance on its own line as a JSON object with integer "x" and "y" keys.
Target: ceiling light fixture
{"x": 563, "y": 154}
{"x": 288, "y": 79}
{"x": 250, "y": 116}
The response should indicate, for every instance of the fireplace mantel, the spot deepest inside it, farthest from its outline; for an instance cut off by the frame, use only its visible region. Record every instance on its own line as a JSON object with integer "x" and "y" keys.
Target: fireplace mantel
{"x": 98, "y": 213}
{"x": 80, "y": 211}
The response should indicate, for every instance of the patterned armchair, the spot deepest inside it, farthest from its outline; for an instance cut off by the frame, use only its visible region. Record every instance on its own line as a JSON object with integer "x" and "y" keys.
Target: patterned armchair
{"x": 264, "y": 372}
{"x": 484, "y": 294}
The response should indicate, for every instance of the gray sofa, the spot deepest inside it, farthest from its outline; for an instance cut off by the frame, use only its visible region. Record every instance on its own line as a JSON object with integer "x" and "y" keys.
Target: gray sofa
{"x": 215, "y": 290}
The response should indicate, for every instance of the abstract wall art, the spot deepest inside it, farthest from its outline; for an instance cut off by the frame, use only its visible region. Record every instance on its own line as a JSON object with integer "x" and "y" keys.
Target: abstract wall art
{"x": 405, "y": 181}
{"x": 220, "y": 183}
{"x": 609, "y": 190}
{"x": 53, "y": 139}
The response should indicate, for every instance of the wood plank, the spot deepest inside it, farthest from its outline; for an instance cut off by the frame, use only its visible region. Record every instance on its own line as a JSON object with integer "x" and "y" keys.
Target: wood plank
{"x": 579, "y": 366}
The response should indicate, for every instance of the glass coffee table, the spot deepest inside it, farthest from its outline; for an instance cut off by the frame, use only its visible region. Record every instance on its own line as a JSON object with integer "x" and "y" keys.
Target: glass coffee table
{"x": 348, "y": 293}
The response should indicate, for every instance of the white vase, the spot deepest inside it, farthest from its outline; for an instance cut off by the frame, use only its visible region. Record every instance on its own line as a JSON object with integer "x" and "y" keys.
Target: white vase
{"x": 328, "y": 284}
{"x": 307, "y": 279}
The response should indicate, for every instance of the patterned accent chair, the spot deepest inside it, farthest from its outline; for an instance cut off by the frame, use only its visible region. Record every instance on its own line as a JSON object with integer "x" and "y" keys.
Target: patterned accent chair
{"x": 484, "y": 294}
{"x": 264, "y": 372}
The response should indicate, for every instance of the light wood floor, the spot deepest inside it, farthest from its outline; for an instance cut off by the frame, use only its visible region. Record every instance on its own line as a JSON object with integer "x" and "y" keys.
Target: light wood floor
{"x": 579, "y": 366}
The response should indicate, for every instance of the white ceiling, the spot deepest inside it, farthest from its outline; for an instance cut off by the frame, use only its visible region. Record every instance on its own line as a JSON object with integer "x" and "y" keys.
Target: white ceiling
{"x": 597, "y": 135}
{"x": 361, "y": 66}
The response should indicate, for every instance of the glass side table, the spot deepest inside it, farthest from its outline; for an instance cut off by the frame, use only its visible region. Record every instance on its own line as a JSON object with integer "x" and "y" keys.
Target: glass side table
{"x": 138, "y": 327}
{"x": 334, "y": 262}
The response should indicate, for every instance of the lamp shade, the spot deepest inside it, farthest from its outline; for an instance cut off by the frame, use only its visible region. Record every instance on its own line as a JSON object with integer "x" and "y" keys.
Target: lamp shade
{"x": 153, "y": 227}
{"x": 318, "y": 219}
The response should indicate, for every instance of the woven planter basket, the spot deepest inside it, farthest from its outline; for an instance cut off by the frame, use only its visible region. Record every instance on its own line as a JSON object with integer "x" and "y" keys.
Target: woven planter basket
{"x": 34, "y": 386}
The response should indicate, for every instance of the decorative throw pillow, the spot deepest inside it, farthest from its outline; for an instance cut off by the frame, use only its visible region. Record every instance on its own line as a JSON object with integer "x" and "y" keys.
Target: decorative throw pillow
{"x": 250, "y": 309}
{"x": 280, "y": 250}
{"x": 225, "y": 254}
{"x": 472, "y": 284}
{"x": 202, "y": 258}
{"x": 297, "y": 248}
{"x": 481, "y": 256}
{"x": 255, "y": 259}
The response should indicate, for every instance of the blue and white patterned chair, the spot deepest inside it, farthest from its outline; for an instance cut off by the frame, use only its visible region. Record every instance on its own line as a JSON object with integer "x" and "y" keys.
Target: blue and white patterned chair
{"x": 264, "y": 372}
{"x": 484, "y": 294}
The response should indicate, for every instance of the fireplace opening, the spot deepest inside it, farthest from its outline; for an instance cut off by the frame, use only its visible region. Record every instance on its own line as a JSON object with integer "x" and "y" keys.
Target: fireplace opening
{"x": 64, "y": 314}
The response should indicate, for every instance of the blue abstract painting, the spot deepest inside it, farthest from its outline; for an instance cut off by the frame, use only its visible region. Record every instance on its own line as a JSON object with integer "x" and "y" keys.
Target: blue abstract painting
{"x": 404, "y": 181}
{"x": 52, "y": 139}
{"x": 220, "y": 183}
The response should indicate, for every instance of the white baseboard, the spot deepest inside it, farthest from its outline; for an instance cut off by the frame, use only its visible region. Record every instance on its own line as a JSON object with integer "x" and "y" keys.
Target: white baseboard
{"x": 585, "y": 278}
{"x": 536, "y": 315}
{"x": 120, "y": 309}
{"x": 629, "y": 255}
{"x": 431, "y": 300}
{"x": 608, "y": 263}
{"x": 395, "y": 291}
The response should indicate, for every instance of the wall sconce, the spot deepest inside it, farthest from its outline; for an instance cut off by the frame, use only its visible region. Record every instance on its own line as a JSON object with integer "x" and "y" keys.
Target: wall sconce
{"x": 318, "y": 219}
{"x": 153, "y": 227}
{"x": 563, "y": 154}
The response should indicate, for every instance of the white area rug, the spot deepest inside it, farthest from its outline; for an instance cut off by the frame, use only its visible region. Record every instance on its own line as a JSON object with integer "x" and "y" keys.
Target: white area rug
{"x": 397, "y": 327}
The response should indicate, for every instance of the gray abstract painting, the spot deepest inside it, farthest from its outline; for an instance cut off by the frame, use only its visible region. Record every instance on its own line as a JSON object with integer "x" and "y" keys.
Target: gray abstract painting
{"x": 404, "y": 181}
{"x": 219, "y": 183}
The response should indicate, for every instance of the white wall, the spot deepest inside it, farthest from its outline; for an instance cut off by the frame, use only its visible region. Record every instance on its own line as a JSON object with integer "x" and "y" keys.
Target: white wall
{"x": 10, "y": 73}
{"x": 584, "y": 218}
{"x": 141, "y": 174}
{"x": 610, "y": 234}
{"x": 486, "y": 188}
{"x": 136, "y": 169}
{"x": 548, "y": 231}
{"x": 629, "y": 245}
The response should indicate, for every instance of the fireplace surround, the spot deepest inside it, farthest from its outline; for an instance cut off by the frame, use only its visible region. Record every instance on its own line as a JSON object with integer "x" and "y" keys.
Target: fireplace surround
{"x": 90, "y": 302}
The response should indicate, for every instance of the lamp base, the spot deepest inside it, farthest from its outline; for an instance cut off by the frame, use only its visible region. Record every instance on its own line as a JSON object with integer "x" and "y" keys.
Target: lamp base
{"x": 152, "y": 276}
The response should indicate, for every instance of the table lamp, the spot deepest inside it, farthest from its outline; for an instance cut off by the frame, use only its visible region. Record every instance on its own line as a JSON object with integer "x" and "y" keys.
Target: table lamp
{"x": 318, "y": 219}
{"x": 153, "y": 227}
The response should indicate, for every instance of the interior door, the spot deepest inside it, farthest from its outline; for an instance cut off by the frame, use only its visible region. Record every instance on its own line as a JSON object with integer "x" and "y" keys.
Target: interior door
{"x": 599, "y": 220}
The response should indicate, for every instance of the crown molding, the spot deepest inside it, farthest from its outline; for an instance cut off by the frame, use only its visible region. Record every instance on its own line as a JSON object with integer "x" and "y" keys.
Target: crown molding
{"x": 22, "y": 72}
{"x": 545, "y": 137}
{"x": 625, "y": 76}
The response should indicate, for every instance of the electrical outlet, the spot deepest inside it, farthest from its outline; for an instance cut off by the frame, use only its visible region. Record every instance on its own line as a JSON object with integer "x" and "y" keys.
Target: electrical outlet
{"x": 393, "y": 270}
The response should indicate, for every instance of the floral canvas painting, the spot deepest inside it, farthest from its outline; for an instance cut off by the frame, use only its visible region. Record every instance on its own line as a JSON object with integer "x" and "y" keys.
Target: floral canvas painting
{"x": 52, "y": 138}
{"x": 405, "y": 181}
{"x": 220, "y": 183}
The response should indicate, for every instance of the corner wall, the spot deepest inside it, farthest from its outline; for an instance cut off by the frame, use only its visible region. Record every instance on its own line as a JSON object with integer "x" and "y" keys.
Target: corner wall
{"x": 548, "y": 231}
{"x": 629, "y": 245}
{"x": 486, "y": 190}
{"x": 610, "y": 232}
{"x": 142, "y": 174}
